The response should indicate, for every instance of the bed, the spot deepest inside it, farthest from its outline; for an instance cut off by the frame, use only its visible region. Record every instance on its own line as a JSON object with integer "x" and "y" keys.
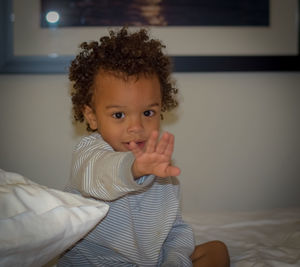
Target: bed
{"x": 264, "y": 238}
{"x": 38, "y": 223}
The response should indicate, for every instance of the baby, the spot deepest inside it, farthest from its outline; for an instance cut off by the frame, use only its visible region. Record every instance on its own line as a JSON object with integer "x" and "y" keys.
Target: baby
{"x": 122, "y": 86}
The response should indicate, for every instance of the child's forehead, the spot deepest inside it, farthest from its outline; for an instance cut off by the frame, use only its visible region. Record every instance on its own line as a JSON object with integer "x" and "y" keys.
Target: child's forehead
{"x": 112, "y": 88}
{"x": 104, "y": 77}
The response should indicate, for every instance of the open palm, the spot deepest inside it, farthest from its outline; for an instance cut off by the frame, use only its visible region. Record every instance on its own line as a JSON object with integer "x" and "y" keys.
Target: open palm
{"x": 156, "y": 158}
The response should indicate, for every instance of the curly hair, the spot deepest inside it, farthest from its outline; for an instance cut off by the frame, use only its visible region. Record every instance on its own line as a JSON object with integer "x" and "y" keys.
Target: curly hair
{"x": 124, "y": 54}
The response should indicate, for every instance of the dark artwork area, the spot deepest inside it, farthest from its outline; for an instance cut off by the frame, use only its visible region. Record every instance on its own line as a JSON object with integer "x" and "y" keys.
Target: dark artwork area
{"x": 156, "y": 12}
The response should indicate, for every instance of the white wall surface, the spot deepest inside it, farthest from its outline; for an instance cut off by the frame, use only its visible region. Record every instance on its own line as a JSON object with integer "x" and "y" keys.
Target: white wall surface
{"x": 237, "y": 136}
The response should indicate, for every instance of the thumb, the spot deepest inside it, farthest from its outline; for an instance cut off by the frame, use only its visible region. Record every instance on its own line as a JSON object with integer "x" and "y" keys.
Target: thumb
{"x": 172, "y": 171}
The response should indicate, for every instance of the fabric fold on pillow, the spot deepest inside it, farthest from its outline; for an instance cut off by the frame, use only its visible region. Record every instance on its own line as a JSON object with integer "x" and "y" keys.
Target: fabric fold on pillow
{"x": 38, "y": 223}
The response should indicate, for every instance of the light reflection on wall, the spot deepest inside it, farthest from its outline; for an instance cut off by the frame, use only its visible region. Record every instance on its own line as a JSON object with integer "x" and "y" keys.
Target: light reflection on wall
{"x": 52, "y": 17}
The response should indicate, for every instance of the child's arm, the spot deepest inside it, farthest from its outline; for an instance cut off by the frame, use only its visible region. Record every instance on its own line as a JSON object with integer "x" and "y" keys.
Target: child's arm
{"x": 156, "y": 159}
{"x": 100, "y": 172}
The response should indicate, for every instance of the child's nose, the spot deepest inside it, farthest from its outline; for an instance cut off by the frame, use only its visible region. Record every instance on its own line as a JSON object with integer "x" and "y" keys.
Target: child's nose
{"x": 135, "y": 125}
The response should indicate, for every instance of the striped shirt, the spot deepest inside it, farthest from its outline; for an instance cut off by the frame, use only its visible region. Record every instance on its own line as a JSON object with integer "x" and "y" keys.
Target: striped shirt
{"x": 143, "y": 226}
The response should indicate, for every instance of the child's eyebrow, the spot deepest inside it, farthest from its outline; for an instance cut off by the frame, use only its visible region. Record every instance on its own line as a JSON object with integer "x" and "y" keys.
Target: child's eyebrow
{"x": 154, "y": 105}
{"x": 114, "y": 106}
{"x": 121, "y": 107}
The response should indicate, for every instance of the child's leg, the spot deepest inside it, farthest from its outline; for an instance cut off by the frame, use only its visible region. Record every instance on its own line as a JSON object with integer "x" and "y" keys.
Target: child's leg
{"x": 211, "y": 254}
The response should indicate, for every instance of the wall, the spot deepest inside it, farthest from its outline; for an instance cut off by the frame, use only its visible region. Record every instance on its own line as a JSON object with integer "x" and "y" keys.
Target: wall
{"x": 237, "y": 136}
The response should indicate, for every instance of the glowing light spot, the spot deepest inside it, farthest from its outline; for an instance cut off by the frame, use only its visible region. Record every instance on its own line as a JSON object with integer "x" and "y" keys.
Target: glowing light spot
{"x": 52, "y": 17}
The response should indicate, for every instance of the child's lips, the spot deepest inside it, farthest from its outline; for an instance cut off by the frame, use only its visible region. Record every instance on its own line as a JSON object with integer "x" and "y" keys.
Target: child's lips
{"x": 140, "y": 144}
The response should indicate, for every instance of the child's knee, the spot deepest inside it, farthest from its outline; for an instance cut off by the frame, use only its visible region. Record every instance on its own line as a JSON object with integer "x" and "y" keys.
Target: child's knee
{"x": 220, "y": 252}
{"x": 219, "y": 246}
{"x": 213, "y": 253}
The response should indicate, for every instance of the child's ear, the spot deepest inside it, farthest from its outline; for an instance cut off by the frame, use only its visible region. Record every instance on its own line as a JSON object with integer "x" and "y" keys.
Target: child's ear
{"x": 90, "y": 117}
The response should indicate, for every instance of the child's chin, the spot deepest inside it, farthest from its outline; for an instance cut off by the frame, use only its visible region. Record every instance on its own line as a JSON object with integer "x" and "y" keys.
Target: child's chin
{"x": 124, "y": 148}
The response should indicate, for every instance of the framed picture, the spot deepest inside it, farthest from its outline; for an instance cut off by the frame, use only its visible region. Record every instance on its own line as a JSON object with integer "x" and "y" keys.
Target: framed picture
{"x": 26, "y": 47}
{"x": 70, "y": 13}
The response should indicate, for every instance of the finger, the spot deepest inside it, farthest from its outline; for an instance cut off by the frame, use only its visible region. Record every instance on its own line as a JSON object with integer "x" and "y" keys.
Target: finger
{"x": 170, "y": 146}
{"x": 163, "y": 143}
{"x": 151, "y": 144}
{"x": 134, "y": 148}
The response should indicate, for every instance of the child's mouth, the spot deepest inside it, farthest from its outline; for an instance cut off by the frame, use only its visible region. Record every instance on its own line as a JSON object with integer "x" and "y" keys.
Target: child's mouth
{"x": 140, "y": 144}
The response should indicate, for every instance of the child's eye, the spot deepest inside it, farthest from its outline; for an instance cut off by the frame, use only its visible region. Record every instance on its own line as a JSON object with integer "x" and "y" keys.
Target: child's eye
{"x": 149, "y": 113}
{"x": 118, "y": 115}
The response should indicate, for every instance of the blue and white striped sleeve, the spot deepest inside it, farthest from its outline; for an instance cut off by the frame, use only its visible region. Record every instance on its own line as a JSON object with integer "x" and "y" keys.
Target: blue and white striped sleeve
{"x": 102, "y": 173}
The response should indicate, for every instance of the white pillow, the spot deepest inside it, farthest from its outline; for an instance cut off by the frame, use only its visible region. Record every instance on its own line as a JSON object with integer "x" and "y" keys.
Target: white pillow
{"x": 38, "y": 223}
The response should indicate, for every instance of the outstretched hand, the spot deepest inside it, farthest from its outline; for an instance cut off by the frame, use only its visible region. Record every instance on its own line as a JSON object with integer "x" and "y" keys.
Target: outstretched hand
{"x": 156, "y": 158}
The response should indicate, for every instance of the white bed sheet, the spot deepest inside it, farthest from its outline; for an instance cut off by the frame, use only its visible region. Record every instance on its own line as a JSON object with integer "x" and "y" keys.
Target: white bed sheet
{"x": 265, "y": 238}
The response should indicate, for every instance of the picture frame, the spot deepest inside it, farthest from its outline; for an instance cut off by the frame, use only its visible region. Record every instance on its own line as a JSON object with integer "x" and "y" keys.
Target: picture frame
{"x": 43, "y": 64}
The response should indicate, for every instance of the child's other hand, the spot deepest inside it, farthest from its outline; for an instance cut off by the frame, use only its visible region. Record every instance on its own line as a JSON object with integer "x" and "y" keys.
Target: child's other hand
{"x": 156, "y": 159}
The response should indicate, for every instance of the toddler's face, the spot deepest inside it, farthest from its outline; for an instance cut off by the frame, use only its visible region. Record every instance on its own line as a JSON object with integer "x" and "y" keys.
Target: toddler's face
{"x": 125, "y": 111}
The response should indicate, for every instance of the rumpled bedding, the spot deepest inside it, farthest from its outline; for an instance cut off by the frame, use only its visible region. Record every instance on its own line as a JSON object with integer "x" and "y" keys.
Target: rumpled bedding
{"x": 263, "y": 238}
{"x": 38, "y": 223}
